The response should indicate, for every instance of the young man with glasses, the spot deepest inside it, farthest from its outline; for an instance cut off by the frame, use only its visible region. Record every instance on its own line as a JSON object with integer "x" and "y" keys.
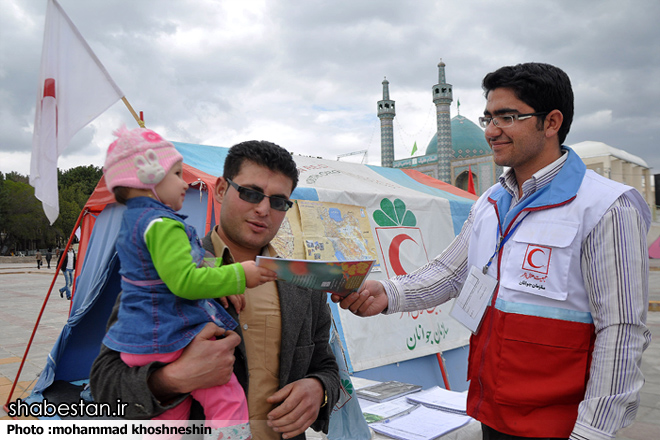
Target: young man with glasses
{"x": 281, "y": 344}
{"x": 561, "y": 253}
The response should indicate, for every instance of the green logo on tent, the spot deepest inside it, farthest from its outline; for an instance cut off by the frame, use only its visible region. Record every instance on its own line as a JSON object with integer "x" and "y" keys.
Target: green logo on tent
{"x": 394, "y": 214}
{"x": 348, "y": 386}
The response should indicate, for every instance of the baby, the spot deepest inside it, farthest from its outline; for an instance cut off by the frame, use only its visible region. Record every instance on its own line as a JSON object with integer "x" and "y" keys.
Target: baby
{"x": 167, "y": 286}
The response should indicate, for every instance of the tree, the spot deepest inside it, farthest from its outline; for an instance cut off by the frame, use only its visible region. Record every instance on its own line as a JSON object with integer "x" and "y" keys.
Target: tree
{"x": 16, "y": 177}
{"x": 26, "y": 222}
{"x": 23, "y": 224}
{"x": 84, "y": 177}
{"x": 75, "y": 187}
{"x": 72, "y": 200}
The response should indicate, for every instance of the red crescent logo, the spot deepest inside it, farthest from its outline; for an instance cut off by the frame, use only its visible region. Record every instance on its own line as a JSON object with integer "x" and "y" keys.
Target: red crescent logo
{"x": 49, "y": 92}
{"x": 49, "y": 88}
{"x": 393, "y": 253}
{"x": 529, "y": 258}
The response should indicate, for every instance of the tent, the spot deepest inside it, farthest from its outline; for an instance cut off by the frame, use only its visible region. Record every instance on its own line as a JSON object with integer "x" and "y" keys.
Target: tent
{"x": 403, "y": 217}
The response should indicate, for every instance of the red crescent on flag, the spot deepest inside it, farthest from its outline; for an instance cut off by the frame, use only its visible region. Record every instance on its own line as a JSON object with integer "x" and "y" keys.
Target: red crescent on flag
{"x": 529, "y": 258}
{"x": 49, "y": 92}
{"x": 49, "y": 87}
{"x": 394, "y": 252}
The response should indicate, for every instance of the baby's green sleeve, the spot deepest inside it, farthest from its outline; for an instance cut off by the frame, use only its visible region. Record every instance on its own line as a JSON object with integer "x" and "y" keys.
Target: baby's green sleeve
{"x": 170, "y": 248}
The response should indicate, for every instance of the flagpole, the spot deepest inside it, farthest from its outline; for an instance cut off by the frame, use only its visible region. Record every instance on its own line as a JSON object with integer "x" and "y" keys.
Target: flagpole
{"x": 130, "y": 109}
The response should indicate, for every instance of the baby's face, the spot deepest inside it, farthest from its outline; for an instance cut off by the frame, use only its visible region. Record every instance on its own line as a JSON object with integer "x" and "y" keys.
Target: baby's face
{"x": 172, "y": 189}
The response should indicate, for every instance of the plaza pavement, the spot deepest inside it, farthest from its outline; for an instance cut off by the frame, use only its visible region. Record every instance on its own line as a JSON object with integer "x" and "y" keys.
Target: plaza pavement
{"x": 23, "y": 289}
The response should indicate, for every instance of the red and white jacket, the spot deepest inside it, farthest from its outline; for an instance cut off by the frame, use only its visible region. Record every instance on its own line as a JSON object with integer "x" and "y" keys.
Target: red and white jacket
{"x": 529, "y": 362}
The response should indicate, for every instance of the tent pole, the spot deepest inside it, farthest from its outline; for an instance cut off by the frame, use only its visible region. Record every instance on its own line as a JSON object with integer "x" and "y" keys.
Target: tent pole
{"x": 43, "y": 307}
{"x": 441, "y": 362}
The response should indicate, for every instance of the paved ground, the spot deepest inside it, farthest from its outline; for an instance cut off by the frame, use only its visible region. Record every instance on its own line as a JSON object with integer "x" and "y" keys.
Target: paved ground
{"x": 23, "y": 289}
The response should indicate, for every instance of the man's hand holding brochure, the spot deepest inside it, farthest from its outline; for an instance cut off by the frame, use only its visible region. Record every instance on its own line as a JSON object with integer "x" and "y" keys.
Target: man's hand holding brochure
{"x": 337, "y": 277}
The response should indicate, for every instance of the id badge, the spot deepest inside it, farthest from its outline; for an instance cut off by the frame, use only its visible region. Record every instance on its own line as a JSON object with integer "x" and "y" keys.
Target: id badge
{"x": 470, "y": 305}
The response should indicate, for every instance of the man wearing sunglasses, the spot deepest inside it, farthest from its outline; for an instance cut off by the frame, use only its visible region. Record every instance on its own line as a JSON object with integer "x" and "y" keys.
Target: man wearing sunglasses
{"x": 281, "y": 346}
{"x": 560, "y": 255}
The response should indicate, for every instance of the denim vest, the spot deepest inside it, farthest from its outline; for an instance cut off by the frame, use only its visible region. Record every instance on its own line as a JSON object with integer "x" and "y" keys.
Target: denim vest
{"x": 151, "y": 318}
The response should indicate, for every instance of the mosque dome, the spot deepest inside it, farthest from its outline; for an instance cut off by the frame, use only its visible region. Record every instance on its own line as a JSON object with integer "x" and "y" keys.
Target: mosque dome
{"x": 467, "y": 139}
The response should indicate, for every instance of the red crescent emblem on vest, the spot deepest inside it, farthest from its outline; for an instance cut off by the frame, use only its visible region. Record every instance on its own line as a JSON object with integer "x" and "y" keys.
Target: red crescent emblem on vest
{"x": 539, "y": 263}
{"x": 529, "y": 258}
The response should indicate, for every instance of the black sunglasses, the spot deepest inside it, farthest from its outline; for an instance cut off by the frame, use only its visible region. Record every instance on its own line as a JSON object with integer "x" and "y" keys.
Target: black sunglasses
{"x": 253, "y": 196}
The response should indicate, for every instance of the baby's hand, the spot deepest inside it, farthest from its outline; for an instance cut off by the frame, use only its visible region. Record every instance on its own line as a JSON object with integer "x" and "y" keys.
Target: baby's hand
{"x": 256, "y": 275}
{"x": 237, "y": 300}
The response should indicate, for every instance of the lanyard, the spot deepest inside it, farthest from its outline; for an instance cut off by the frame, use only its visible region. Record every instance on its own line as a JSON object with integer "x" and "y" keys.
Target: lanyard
{"x": 500, "y": 244}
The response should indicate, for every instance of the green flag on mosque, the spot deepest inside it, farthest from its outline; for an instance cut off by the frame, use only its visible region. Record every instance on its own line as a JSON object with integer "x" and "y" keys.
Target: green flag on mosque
{"x": 414, "y": 148}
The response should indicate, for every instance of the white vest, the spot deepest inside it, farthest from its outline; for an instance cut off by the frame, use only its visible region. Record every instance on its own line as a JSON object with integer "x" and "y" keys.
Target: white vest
{"x": 529, "y": 363}
{"x": 540, "y": 262}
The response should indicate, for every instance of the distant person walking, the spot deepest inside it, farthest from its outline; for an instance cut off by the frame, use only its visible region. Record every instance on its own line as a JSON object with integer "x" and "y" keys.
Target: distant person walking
{"x": 68, "y": 264}
{"x": 38, "y": 255}
{"x": 49, "y": 256}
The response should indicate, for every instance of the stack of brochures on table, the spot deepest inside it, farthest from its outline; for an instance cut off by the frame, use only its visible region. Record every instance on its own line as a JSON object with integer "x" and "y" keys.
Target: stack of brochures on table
{"x": 429, "y": 414}
{"x": 444, "y": 400}
{"x": 384, "y": 391}
{"x": 380, "y": 412}
{"x": 420, "y": 424}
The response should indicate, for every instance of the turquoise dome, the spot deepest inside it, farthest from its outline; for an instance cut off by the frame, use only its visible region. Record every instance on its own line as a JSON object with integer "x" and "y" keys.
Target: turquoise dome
{"x": 467, "y": 139}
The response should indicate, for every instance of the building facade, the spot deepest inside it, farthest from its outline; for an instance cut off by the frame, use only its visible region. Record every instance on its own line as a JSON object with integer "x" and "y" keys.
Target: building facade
{"x": 619, "y": 165}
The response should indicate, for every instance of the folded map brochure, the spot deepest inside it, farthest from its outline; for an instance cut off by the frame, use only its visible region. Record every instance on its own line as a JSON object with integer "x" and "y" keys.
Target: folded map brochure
{"x": 338, "y": 277}
{"x": 385, "y": 391}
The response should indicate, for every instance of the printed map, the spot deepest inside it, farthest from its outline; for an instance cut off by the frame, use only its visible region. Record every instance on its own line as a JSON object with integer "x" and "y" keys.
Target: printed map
{"x": 326, "y": 231}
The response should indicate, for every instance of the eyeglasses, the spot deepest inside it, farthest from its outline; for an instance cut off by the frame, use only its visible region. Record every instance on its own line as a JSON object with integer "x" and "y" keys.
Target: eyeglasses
{"x": 253, "y": 196}
{"x": 503, "y": 121}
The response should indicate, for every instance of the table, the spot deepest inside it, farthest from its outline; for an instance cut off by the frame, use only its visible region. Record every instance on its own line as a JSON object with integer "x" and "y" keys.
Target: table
{"x": 471, "y": 431}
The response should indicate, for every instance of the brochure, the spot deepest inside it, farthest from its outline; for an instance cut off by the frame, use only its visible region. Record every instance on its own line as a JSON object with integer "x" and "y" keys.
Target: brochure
{"x": 338, "y": 277}
{"x": 390, "y": 410}
{"x": 441, "y": 399}
{"x": 421, "y": 424}
{"x": 385, "y": 391}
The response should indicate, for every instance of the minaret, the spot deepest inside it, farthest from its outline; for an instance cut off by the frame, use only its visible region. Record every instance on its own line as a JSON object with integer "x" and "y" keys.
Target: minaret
{"x": 442, "y": 97}
{"x": 386, "y": 115}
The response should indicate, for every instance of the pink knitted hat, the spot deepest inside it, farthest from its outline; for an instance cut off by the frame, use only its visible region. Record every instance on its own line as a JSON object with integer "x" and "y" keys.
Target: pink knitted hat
{"x": 138, "y": 158}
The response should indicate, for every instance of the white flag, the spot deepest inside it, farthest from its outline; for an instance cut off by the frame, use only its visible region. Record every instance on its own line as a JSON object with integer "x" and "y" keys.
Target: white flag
{"x": 74, "y": 88}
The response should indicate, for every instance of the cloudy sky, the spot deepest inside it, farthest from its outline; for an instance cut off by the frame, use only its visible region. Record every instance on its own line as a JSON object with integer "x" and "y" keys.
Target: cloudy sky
{"x": 307, "y": 74}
